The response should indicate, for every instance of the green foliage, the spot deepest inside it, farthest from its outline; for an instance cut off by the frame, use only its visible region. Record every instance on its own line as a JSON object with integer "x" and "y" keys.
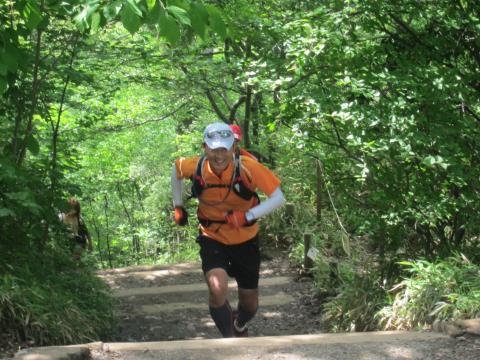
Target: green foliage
{"x": 444, "y": 290}
{"x": 131, "y": 16}
{"x": 379, "y": 102}
{"x": 126, "y": 182}
{"x": 441, "y": 290}
{"x": 167, "y": 19}
{"x": 53, "y": 300}
{"x": 23, "y": 206}
{"x": 353, "y": 309}
{"x": 385, "y": 95}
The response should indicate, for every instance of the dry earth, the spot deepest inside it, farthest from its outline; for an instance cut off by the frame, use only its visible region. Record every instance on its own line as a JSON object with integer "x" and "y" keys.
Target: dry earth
{"x": 162, "y": 303}
{"x": 159, "y": 303}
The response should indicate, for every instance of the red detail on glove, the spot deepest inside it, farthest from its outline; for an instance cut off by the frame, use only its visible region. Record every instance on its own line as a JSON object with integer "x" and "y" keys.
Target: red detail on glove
{"x": 236, "y": 219}
{"x": 180, "y": 216}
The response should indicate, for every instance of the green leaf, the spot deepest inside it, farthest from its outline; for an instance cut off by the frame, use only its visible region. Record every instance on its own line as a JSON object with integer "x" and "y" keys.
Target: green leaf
{"x": 33, "y": 145}
{"x": 180, "y": 3}
{"x": 32, "y": 14}
{"x": 96, "y": 19}
{"x": 3, "y": 85}
{"x": 346, "y": 243}
{"x": 216, "y": 21}
{"x": 83, "y": 19}
{"x": 154, "y": 14}
{"x": 25, "y": 199}
{"x": 151, "y": 4}
{"x": 130, "y": 20}
{"x": 6, "y": 212}
{"x": 112, "y": 10}
{"x": 3, "y": 69}
{"x": 21, "y": 196}
{"x": 169, "y": 28}
{"x": 133, "y": 6}
{"x": 271, "y": 126}
{"x": 7, "y": 171}
{"x": 429, "y": 160}
{"x": 199, "y": 19}
{"x": 405, "y": 263}
{"x": 180, "y": 14}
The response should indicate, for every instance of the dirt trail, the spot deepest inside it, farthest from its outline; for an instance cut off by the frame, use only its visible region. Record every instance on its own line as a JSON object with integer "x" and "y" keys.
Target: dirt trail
{"x": 170, "y": 303}
{"x": 165, "y": 303}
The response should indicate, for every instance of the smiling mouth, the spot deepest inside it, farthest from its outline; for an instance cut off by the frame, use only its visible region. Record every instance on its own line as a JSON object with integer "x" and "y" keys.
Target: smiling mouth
{"x": 219, "y": 160}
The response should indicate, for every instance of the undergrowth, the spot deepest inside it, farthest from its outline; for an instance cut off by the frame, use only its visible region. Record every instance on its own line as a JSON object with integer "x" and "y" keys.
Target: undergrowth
{"x": 52, "y": 300}
{"x": 444, "y": 290}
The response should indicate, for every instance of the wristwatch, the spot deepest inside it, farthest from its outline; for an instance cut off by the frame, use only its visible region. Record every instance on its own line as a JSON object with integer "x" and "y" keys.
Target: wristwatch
{"x": 249, "y": 216}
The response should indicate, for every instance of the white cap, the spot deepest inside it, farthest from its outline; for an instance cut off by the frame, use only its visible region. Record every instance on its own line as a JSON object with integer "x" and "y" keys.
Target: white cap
{"x": 218, "y": 135}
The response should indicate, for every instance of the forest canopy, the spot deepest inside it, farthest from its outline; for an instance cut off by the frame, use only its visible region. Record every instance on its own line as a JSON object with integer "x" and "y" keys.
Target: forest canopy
{"x": 368, "y": 111}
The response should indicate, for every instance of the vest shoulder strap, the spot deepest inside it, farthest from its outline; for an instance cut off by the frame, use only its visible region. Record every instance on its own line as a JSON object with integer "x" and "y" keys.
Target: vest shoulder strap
{"x": 241, "y": 180}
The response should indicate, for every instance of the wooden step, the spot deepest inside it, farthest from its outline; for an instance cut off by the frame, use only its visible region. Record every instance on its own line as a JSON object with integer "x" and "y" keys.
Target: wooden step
{"x": 383, "y": 345}
{"x": 159, "y": 290}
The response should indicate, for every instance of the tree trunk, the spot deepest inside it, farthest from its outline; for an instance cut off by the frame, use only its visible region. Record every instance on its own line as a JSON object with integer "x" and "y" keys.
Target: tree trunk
{"x": 34, "y": 97}
{"x": 20, "y": 107}
{"x": 248, "y": 117}
{"x": 257, "y": 101}
{"x": 56, "y": 126}
{"x": 248, "y": 102}
{"x": 131, "y": 222}
{"x": 319, "y": 190}
{"x": 97, "y": 231}
{"x": 107, "y": 232}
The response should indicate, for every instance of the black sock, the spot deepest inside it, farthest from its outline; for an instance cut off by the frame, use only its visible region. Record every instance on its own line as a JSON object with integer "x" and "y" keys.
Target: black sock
{"x": 222, "y": 316}
{"x": 244, "y": 316}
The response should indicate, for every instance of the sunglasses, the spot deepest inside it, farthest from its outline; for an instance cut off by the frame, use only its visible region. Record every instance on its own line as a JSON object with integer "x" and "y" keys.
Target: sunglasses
{"x": 219, "y": 133}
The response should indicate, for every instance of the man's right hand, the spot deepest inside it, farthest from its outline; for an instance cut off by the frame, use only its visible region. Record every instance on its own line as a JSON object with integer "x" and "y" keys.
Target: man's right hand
{"x": 180, "y": 216}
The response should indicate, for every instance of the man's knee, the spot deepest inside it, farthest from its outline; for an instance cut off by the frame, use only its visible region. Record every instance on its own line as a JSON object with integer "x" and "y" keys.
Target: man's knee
{"x": 217, "y": 296}
{"x": 217, "y": 282}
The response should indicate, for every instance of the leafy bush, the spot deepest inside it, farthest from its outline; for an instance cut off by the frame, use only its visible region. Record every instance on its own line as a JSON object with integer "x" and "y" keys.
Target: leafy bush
{"x": 445, "y": 289}
{"x": 54, "y": 300}
{"x": 359, "y": 298}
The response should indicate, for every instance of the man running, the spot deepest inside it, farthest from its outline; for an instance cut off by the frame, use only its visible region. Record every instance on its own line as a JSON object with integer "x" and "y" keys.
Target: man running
{"x": 228, "y": 208}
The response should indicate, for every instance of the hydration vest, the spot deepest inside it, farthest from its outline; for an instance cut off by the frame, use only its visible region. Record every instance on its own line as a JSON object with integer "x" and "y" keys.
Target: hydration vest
{"x": 237, "y": 186}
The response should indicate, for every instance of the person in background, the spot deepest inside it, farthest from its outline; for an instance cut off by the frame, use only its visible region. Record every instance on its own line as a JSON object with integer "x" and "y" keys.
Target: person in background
{"x": 79, "y": 236}
{"x": 238, "y": 135}
{"x": 227, "y": 212}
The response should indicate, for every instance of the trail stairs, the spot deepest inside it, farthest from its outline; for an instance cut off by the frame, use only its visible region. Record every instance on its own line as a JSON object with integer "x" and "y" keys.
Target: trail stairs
{"x": 164, "y": 315}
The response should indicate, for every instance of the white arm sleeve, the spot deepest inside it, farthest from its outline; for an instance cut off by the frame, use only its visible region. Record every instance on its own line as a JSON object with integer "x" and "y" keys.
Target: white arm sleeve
{"x": 177, "y": 188}
{"x": 273, "y": 202}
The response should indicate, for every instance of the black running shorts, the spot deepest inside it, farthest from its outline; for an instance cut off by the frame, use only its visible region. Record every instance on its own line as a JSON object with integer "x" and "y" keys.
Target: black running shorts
{"x": 241, "y": 261}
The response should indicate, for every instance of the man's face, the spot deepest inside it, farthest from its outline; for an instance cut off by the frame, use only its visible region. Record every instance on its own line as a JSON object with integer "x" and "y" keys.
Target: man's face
{"x": 219, "y": 158}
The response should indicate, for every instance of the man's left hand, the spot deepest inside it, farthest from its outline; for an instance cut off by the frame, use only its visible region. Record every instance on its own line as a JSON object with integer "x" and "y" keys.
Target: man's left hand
{"x": 236, "y": 219}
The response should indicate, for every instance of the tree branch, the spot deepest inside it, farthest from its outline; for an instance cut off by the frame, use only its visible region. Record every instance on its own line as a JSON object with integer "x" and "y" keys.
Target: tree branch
{"x": 34, "y": 97}
{"x": 470, "y": 111}
{"x": 341, "y": 143}
{"x": 215, "y": 107}
{"x": 407, "y": 29}
{"x": 131, "y": 126}
{"x": 235, "y": 107}
{"x": 301, "y": 78}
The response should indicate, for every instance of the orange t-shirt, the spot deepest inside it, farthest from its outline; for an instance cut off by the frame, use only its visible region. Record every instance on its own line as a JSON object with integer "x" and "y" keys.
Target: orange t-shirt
{"x": 215, "y": 202}
{"x": 244, "y": 152}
